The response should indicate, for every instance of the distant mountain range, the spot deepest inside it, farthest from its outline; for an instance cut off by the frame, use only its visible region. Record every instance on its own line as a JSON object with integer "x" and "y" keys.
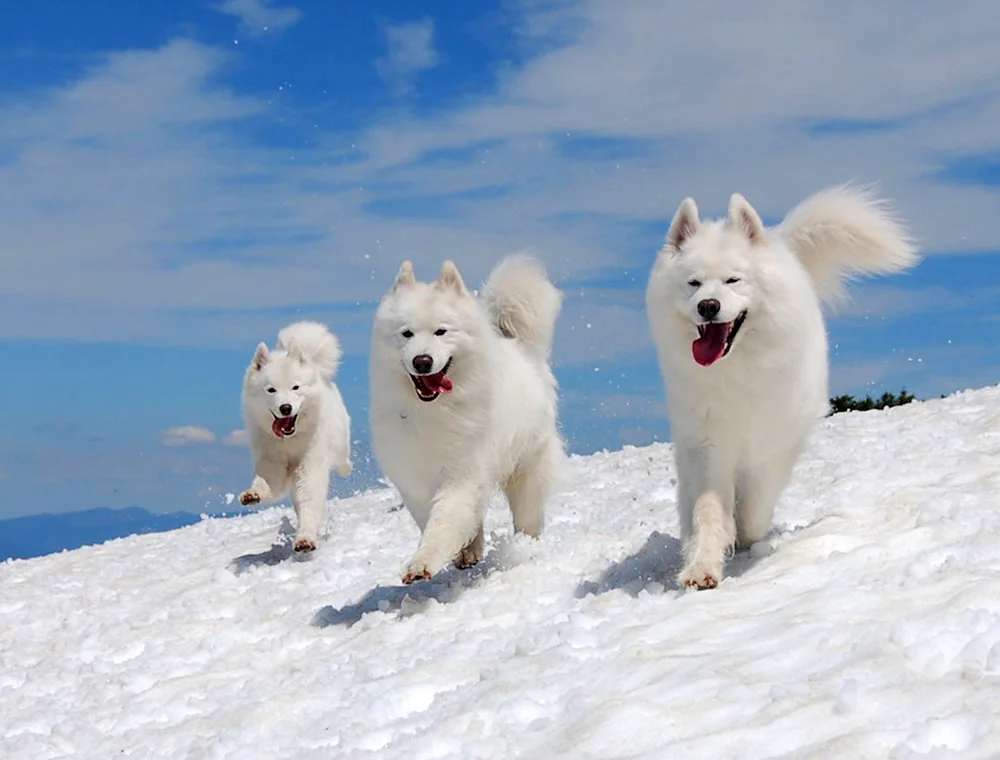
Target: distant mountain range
{"x": 35, "y": 535}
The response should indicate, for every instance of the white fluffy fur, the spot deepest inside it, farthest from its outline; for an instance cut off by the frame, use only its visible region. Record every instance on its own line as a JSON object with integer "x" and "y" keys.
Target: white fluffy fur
{"x": 739, "y": 424}
{"x": 846, "y": 231}
{"x": 496, "y": 430}
{"x": 523, "y": 303}
{"x": 314, "y": 342}
{"x": 300, "y": 371}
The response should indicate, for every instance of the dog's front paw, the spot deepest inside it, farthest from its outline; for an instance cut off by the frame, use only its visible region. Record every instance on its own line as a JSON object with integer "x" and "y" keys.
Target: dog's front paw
{"x": 412, "y": 576}
{"x": 699, "y": 575}
{"x": 304, "y": 545}
{"x": 345, "y": 470}
{"x": 249, "y": 497}
{"x": 416, "y": 571}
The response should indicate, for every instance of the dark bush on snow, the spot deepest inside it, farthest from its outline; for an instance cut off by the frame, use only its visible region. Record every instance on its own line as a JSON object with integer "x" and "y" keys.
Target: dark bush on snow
{"x": 847, "y": 403}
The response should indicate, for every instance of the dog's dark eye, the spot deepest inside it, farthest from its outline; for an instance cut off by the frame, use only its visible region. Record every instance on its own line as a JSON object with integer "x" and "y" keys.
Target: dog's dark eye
{"x": 272, "y": 390}
{"x": 694, "y": 283}
{"x": 407, "y": 334}
{"x": 295, "y": 387}
{"x": 440, "y": 331}
{"x": 732, "y": 280}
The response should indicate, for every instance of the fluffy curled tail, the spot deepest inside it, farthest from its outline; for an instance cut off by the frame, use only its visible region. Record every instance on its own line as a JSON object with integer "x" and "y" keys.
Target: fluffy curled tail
{"x": 523, "y": 304}
{"x": 313, "y": 342}
{"x": 843, "y": 232}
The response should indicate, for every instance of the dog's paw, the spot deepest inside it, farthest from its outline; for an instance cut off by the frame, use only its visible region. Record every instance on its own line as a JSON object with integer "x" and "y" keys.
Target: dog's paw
{"x": 305, "y": 545}
{"x": 467, "y": 558}
{"x": 699, "y": 576}
{"x": 416, "y": 572}
{"x": 345, "y": 470}
{"x": 249, "y": 497}
{"x": 471, "y": 554}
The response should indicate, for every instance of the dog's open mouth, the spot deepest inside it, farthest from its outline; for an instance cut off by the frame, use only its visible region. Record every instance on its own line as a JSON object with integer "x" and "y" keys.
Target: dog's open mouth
{"x": 715, "y": 339}
{"x": 284, "y": 426}
{"x": 429, "y": 387}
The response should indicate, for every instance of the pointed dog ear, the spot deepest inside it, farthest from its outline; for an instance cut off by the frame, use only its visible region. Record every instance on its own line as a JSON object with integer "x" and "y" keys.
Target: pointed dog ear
{"x": 684, "y": 225}
{"x": 450, "y": 278}
{"x": 260, "y": 357}
{"x": 405, "y": 277}
{"x": 744, "y": 218}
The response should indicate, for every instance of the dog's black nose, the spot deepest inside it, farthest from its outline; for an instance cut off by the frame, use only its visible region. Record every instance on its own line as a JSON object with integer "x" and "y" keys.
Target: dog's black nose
{"x": 709, "y": 308}
{"x": 285, "y": 409}
{"x": 423, "y": 363}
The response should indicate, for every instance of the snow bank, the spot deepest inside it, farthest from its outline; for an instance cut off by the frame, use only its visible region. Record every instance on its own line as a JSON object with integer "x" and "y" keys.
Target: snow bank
{"x": 868, "y": 626}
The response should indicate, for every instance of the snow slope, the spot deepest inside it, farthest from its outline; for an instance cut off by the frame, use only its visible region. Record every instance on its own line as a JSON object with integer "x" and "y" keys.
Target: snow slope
{"x": 868, "y": 627}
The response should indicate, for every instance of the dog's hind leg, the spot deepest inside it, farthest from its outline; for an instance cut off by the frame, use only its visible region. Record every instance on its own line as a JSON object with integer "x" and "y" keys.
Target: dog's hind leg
{"x": 342, "y": 454}
{"x": 757, "y": 496}
{"x": 309, "y": 492}
{"x": 529, "y": 487}
{"x": 689, "y": 485}
{"x": 456, "y": 516}
{"x": 345, "y": 468}
{"x": 473, "y": 551}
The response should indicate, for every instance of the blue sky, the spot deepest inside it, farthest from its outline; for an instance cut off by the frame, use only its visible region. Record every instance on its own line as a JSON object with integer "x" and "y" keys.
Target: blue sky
{"x": 181, "y": 179}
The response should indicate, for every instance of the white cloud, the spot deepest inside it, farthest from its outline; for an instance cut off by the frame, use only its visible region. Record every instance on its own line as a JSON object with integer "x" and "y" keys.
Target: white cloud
{"x": 927, "y": 370}
{"x": 720, "y": 100}
{"x": 260, "y": 16}
{"x": 237, "y": 438}
{"x": 137, "y": 208}
{"x": 187, "y": 435}
{"x": 411, "y": 50}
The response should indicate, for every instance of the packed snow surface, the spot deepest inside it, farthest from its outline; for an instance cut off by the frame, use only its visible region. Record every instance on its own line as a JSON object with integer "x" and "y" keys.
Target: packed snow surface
{"x": 867, "y": 626}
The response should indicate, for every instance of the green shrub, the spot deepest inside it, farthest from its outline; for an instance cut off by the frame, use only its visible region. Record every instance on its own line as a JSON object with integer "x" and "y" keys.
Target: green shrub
{"x": 847, "y": 403}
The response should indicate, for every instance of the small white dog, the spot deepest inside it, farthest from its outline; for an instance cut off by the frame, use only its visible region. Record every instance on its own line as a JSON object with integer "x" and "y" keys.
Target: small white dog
{"x": 298, "y": 426}
{"x": 734, "y": 310}
{"x": 463, "y": 402}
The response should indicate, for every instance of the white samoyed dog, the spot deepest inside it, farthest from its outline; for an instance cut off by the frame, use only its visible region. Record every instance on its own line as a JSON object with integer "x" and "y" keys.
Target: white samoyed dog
{"x": 463, "y": 403}
{"x": 734, "y": 310}
{"x": 297, "y": 423}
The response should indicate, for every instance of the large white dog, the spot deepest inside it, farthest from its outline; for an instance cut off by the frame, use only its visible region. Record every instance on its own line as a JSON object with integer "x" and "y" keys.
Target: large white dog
{"x": 734, "y": 310}
{"x": 463, "y": 402}
{"x": 298, "y": 426}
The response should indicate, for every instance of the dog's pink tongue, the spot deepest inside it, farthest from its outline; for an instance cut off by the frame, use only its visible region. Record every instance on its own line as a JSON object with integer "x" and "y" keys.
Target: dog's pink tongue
{"x": 439, "y": 382}
{"x": 710, "y": 346}
{"x": 283, "y": 426}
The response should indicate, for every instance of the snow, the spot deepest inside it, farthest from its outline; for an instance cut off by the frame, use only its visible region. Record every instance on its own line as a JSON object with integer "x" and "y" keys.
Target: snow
{"x": 867, "y": 626}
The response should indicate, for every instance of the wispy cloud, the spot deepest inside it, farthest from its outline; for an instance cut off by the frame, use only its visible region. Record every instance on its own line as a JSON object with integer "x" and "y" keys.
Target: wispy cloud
{"x": 876, "y": 301}
{"x": 926, "y": 371}
{"x": 139, "y": 207}
{"x": 260, "y": 16}
{"x": 237, "y": 438}
{"x": 187, "y": 435}
{"x": 411, "y": 51}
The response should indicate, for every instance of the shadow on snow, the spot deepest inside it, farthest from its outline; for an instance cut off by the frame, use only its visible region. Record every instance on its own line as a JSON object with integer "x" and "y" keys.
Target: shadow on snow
{"x": 443, "y": 588}
{"x": 654, "y": 568}
{"x": 280, "y": 551}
